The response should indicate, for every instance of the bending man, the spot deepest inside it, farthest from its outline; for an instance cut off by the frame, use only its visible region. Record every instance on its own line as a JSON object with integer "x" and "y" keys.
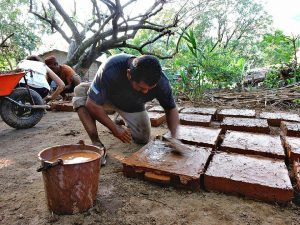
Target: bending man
{"x": 125, "y": 83}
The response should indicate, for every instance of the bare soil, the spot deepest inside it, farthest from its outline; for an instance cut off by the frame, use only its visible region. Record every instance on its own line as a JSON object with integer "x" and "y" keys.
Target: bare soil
{"x": 120, "y": 200}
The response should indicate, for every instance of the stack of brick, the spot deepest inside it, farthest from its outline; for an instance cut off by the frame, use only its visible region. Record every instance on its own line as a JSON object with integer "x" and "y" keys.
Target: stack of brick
{"x": 292, "y": 145}
{"x": 275, "y": 118}
{"x": 296, "y": 171}
{"x": 158, "y": 162}
{"x": 201, "y": 136}
{"x": 65, "y": 106}
{"x": 195, "y": 120}
{"x": 253, "y": 144}
{"x": 198, "y": 110}
{"x": 290, "y": 129}
{"x": 258, "y": 178}
{"x": 245, "y": 124}
{"x": 156, "y": 118}
{"x": 241, "y": 113}
{"x": 157, "y": 109}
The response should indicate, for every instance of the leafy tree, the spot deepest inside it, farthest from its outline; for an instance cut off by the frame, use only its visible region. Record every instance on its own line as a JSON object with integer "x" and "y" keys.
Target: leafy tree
{"x": 276, "y": 48}
{"x": 109, "y": 25}
{"x": 17, "y": 33}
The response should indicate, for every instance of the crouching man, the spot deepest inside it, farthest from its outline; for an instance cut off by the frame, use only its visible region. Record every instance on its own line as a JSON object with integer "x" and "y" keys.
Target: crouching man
{"x": 124, "y": 83}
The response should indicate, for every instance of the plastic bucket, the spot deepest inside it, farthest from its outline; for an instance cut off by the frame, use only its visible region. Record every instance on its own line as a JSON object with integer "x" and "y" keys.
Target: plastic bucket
{"x": 70, "y": 187}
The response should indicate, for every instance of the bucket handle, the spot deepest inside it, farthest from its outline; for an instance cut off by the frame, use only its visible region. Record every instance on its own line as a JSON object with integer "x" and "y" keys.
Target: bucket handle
{"x": 48, "y": 165}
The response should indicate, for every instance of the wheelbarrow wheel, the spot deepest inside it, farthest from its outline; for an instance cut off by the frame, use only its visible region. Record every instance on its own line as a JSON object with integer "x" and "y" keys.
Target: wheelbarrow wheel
{"x": 21, "y": 117}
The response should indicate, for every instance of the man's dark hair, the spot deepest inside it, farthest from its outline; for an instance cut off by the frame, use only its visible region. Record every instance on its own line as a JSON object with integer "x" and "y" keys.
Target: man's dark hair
{"x": 146, "y": 68}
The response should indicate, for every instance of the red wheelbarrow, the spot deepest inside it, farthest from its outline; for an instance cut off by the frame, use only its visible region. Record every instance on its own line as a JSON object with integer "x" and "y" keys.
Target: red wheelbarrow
{"x": 19, "y": 107}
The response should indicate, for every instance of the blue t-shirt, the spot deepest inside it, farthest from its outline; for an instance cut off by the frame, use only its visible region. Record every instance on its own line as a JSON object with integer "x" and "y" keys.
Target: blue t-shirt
{"x": 112, "y": 85}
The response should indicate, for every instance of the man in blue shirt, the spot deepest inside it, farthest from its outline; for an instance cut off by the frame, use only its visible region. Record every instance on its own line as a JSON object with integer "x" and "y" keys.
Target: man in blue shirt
{"x": 125, "y": 83}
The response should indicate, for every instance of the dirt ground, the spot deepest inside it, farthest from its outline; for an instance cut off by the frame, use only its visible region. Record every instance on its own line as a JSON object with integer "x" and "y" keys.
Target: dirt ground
{"x": 120, "y": 200}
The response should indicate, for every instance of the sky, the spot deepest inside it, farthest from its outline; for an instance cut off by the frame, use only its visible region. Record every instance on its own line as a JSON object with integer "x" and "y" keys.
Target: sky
{"x": 286, "y": 17}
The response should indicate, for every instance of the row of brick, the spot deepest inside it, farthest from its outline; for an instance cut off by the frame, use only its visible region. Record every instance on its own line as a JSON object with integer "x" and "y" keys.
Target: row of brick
{"x": 273, "y": 118}
{"x": 241, "y": 156}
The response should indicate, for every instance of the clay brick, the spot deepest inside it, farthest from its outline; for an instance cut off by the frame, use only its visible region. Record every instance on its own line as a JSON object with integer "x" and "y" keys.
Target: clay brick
{"x": 158, "y": 109}
{"x": 292, "y": 145}
{"x": 274, "y": 119}
{"x": 290, "y": 128}
{"x": 245, "y": 124}
{"x": 195, "y": 120}
{"x": 253, "y": 144}
{"x": 296, "y": 171}
{"x": 245, "y": 113}
{"x": 201, "y": 136}
{"x": 202, "y": 111}
{"x": 156, "y": 118}
{"x": 65, "y": 106}
{"x": 156, "y": 162}
{"x": 250, "y": 176}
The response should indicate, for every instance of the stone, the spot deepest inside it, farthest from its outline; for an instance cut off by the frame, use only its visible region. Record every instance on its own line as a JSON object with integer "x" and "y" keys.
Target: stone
{"x": 245, "y": 124}
{"x": 274, "y": 118}
{"x": 292, "y": 145}
{"x": 245, "y": 113}
{"x": 253, "y": 144}
{"x": 201, "y": 136}
{"x": 195, "y": 120}
{"x": 254, "y": 177}
{"x": 157, "y": 162}
{"x": 290, "y": 128}
{"x": 156, "y": 119}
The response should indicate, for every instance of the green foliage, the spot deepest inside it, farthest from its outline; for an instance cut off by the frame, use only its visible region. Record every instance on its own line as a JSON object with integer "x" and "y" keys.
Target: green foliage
{"x": 276, "y": 48}
{"x": 13, "y": 20}
{"x": 272, "y": 79}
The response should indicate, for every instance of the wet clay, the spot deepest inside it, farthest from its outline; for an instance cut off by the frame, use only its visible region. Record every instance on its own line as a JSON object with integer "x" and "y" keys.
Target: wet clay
{"x": 202, "y": 136}
{"x": 290, "y": 129}
{"x": 195, "y": 120}
{"x": 249, "y": 113}
{"x": 253, "y": 144}
{"x": 76, "y": 157}
{"x": 292, "y": 145}
{"x": 157, "y": 162}
{"x": 274, "y": 119}
{"x": 254, "y": 177}
{"x": 203, "y": 111}
{"x": 245, "y": 124}
{"x": 296, "y": 170}
{"x": 156, "y": 119}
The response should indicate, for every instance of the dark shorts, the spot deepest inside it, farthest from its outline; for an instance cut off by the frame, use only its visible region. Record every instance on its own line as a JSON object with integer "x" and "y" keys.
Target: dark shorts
{"x": 43, "y": 92}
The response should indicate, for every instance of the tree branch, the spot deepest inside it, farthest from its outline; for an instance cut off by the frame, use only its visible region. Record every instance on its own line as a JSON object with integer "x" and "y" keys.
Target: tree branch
{"x": 2, "y": 44}
{"x": 78, "y": 38}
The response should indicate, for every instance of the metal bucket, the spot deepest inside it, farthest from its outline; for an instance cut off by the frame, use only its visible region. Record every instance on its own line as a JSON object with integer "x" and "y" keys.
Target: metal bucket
{"x": 70, "y": 187}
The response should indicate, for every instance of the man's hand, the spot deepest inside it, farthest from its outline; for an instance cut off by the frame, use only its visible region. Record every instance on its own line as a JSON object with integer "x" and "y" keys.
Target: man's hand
{"x": 48, "y": 98}
{"x": 123, "y": 134}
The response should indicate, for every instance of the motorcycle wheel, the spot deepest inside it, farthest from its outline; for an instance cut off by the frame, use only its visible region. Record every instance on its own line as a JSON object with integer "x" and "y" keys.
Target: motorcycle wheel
{"x": 20, "y": 117}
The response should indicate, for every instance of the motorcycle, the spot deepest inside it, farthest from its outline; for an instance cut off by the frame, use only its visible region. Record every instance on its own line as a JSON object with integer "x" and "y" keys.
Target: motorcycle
{"x": 19, "y": 107}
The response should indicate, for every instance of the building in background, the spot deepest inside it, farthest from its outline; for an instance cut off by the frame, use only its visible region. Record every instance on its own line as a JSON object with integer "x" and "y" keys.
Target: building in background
{"x": 61, "y": 57}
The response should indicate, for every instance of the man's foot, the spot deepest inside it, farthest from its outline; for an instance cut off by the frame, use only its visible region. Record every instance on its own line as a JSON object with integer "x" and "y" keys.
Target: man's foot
{"x": 103, "y": 158}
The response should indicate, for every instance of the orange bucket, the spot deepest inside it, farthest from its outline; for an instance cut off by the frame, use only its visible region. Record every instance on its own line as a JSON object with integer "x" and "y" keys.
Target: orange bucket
{"x": 71, "y": 186}
{"x": 8, "y": 82}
